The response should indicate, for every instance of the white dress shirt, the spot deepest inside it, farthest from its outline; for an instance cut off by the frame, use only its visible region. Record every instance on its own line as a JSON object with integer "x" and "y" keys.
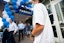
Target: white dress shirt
{"x": 40, "y": 16}
{"x": 13, "y": 27}
{"x": 21, "y": 26}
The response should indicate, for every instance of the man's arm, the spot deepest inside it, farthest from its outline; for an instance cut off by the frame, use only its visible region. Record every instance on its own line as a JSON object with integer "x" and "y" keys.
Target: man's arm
{"x": 38, "y": 29}
{"x": 16, "y": 28}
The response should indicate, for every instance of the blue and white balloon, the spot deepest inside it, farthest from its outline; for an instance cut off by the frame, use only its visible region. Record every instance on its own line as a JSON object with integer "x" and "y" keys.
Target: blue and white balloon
{"x": 7, "y": 13}
{"x": 6, "y": 24}
{"x": 3, "y": 19}
{"x": 12, "y": 17}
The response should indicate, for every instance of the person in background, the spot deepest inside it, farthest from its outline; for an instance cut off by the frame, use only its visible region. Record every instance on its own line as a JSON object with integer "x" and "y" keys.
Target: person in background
{"x": 24, "y": 31}
{"x": 42, "y": 28}
{"x": 21, "y": 27}
{"x": 8, "y": 35}
{"x": 28, "y": 30}
{"x": 31, "y": 28}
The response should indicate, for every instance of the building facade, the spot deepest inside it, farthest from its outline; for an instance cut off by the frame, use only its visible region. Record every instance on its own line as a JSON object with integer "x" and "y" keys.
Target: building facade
{"x": 56, "y": 8}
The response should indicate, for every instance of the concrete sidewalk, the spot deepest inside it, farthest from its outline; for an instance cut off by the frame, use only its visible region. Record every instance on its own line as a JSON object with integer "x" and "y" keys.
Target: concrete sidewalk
{"x": 25, "y": 40}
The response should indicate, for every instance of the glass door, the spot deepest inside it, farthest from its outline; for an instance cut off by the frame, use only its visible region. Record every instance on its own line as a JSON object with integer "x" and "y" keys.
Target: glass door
{"x": 58, "y": 13}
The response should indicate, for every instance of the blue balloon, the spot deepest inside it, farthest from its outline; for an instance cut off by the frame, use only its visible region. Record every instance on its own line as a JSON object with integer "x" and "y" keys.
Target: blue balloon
{"x": 12, "y": 17}
{"x": 23, "y": 2}
{"x": 9, "y": 13}
{"x": 3, "y": 19}
{"x": 7, "y": 9}
{"x": 29, "y": 5}
{"x": 14, "y": 2}
{"x": 16, "y": 10}
{"x": 6, "y": 24}
{"x": 15, "y": 7}
{"x": 6, "y": 5}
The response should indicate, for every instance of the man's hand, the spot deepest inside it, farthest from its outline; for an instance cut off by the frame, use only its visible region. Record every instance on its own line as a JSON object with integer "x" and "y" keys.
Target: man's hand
{"x": 14, "y": 33}
{"x": 8, "y": 30}
{"x": 31, "y": 38}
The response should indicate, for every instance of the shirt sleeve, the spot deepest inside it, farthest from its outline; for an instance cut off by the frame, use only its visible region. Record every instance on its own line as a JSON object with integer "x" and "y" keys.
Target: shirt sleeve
{"x": 39, "y": 15}
{"x": 15, "y": 27}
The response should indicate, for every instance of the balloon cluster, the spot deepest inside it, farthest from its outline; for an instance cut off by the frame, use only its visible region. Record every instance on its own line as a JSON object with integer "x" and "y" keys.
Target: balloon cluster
{"x": 16, "y": 4}
{"x": 7, "y": 14}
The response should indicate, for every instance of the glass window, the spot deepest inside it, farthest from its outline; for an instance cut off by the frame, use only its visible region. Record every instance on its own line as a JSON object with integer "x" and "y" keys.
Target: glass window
{"x": 58, "y": 12}
{"x": 62, "y": 10}
{"x": 46, "y": 2}
{"x": 62, "y": 7}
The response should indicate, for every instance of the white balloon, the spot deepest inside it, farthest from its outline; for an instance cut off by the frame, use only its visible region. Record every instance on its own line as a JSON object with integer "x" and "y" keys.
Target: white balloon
{"x": 8, "y": 19}
{"x": 1, "y": 23}
{"x": 4, "y": 12}
{"x": 7, "y": 0}
{"x": 5, "y": 15}
{"x": 30, "y": 0}
{"x": 18, "y": 2}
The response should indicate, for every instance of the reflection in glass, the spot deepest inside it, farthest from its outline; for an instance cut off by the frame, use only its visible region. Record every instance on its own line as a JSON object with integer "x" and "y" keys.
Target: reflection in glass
{"x": 62, "y": 7}
{"x": 60, "y": 13}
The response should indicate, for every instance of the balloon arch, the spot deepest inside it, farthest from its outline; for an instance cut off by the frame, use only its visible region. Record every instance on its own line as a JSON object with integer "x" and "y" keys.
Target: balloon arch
{"x": 16, "y": 6}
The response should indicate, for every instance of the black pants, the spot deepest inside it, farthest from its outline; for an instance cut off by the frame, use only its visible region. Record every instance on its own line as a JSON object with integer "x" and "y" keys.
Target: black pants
{"x": 8, "y": 37}
{"x": 20, "y": 31}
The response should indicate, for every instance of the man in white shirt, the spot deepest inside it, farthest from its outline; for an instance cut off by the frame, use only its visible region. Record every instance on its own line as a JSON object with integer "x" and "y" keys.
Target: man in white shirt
{"x": 42, "y": 29}
{"x": 8, "y": 34}
{"x": 21, "y": 27}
